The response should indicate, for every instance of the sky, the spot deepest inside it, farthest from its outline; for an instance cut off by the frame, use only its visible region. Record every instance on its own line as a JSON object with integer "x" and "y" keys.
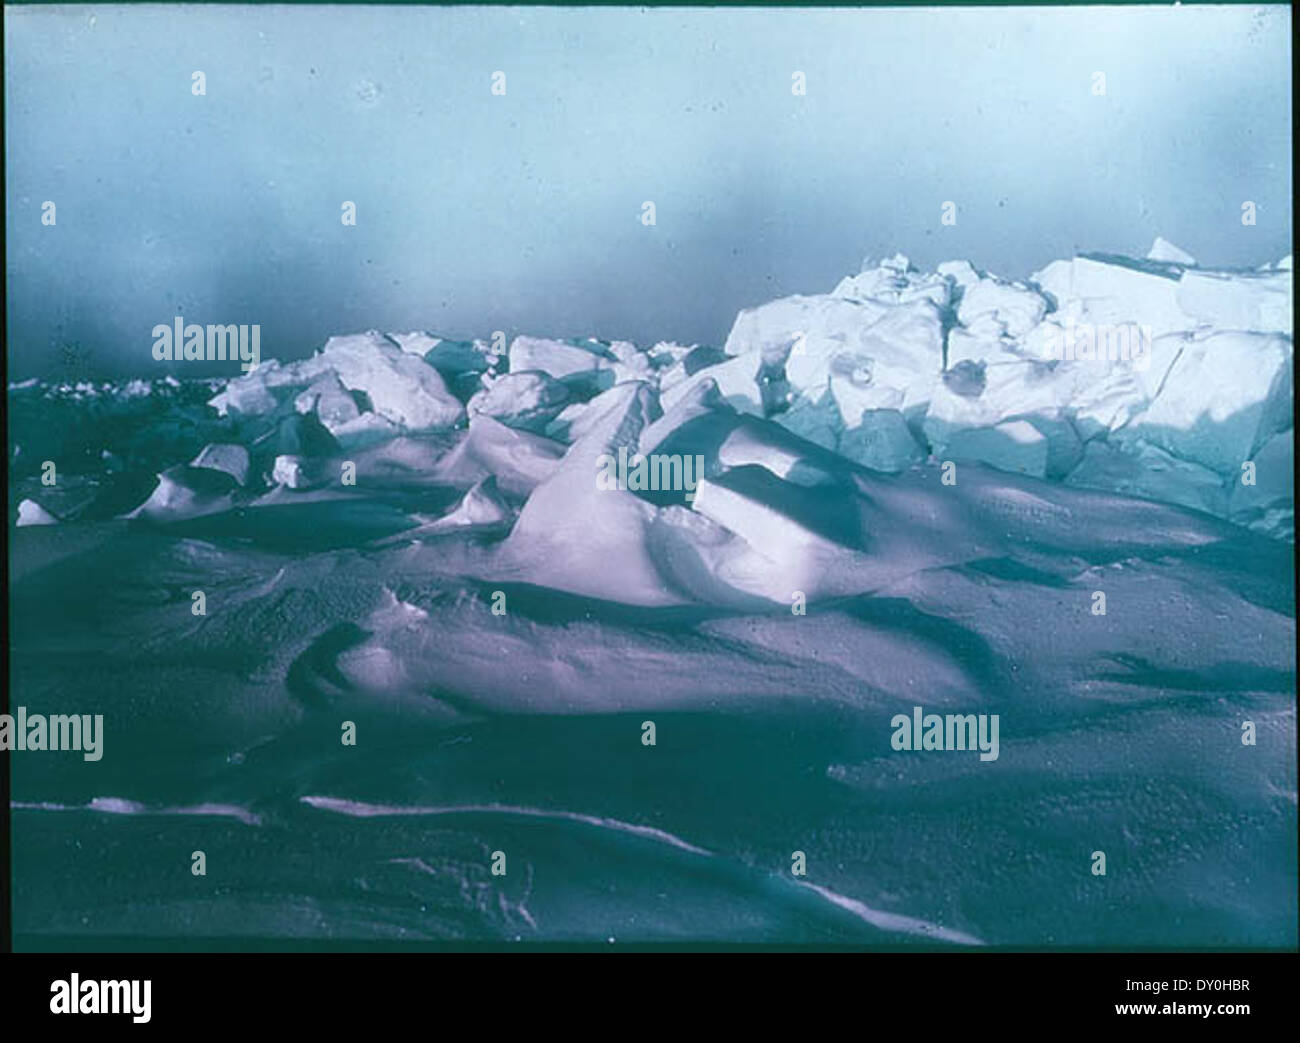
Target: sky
{"x": 523, "y": 211}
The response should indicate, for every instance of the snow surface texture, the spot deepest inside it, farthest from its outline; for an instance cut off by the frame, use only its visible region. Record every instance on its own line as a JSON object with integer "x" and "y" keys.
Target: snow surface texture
{"x": 897, "y": 498}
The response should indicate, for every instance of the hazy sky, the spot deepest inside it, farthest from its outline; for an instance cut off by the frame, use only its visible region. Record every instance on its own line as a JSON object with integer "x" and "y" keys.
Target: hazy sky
{"x": 522, "y": 212}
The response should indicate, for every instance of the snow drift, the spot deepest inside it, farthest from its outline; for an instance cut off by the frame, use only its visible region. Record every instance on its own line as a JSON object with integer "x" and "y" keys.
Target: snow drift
{"x": 911, "y": 491}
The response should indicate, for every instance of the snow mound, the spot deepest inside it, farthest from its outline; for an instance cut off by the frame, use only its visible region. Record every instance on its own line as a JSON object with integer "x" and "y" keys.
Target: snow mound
{"x": 480, "y": 511}
{"x": 32, "y": 513}
{"x": 572, "y": 535}
{"x": 187, "y": 492}
{"x": 480, "y": 508}
{"x": 232, "y": 459}
{"x": 519, "y": 460}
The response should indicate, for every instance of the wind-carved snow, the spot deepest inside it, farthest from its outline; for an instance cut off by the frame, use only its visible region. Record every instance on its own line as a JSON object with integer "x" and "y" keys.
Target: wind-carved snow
{"x": 908, "y": 493}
